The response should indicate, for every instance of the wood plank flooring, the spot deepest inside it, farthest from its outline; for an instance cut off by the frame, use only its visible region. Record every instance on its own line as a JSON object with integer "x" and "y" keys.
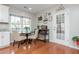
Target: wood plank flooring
{"x": 39, "y": 48}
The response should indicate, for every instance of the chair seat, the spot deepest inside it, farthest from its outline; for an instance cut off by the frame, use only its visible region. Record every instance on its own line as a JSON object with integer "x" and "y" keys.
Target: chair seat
{"x": 16, "y": 37}
{"x": 31, "y": 37}
{"x": 20, "y": 38}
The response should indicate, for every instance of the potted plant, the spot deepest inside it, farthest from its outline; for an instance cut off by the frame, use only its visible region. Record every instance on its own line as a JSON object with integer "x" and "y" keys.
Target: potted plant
{"x": 76, "y": 39}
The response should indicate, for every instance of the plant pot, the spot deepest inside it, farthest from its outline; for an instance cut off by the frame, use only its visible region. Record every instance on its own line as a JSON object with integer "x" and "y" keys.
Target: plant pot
{"x": 77, "y": 42}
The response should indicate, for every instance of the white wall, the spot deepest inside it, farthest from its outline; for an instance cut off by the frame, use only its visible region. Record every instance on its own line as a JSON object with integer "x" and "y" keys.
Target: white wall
{"x": 49, "y": 23}
{"x": 74, "y": 19}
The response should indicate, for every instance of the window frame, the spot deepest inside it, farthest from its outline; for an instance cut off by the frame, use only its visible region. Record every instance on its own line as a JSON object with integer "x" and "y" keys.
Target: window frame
{"x": 21, "y": 20}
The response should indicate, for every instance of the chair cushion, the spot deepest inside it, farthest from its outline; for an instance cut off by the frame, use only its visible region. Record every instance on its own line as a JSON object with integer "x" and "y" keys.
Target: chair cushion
{"x": 31, "y": 37}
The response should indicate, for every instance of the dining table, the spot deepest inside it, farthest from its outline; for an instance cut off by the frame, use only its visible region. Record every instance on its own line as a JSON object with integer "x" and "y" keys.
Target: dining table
{"x": 26, "y": 40}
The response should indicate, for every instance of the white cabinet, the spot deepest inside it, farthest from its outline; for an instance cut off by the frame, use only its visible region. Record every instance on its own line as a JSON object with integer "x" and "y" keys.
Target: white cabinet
{"x": 4, "y": 39}
{"x": 0, "y": 41}
{"x": 4, "y": 13}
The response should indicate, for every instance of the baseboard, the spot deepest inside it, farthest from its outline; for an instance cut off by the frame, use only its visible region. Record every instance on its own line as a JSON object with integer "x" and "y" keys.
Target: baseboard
{"x": 71, "y": 46}
{"x": 5, "y": 46}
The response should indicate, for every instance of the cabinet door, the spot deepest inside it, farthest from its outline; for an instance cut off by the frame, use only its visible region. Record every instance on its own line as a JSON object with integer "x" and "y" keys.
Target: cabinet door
{"x": 4, "y": 13}
{"x": 5, "y": 39}
{"x": 0, "y": 40}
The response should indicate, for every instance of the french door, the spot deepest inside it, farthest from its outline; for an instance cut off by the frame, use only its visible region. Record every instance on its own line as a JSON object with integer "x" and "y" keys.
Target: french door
{"x": 59, "y": 26}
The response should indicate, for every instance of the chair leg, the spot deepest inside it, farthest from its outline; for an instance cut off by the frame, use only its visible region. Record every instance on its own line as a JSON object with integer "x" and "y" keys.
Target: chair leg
{"x": 26, "y": 42}
{"x": 19, "y": 43}
{"x": 30, "y": 40}
{"x": 14, "y": 43}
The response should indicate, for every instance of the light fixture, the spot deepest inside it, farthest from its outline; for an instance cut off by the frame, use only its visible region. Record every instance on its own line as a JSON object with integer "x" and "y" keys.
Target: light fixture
{"x": 30, "y": 8}
{"x": 27, "y": 8}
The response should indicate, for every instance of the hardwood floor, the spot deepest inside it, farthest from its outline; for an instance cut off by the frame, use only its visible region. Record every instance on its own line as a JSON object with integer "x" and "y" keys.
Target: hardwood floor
{"x": 39, "y": 48}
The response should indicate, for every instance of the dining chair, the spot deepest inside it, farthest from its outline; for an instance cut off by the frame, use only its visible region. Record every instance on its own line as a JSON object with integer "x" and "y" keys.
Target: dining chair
{"x": 17, "y": 38}
{"x": 34, "y": 36}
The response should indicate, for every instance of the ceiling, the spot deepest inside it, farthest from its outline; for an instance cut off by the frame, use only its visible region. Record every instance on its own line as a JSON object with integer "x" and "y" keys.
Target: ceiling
{"x": 35, "y": 7}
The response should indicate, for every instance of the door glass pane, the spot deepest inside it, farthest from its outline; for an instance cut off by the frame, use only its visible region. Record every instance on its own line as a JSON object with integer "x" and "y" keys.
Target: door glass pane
{"x": 60, "y": 26}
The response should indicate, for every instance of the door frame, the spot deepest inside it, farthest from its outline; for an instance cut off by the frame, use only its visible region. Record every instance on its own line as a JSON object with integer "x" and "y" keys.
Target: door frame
{"x": 55, "y": 25}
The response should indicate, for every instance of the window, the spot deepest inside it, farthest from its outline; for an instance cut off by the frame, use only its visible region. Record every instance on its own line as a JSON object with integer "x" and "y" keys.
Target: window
{"x": 20, "y": 24}
{"x": 26, "y": 25}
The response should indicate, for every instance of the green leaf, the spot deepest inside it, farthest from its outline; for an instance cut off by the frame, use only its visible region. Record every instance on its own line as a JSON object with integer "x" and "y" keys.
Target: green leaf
{"x": 75, "y": 38}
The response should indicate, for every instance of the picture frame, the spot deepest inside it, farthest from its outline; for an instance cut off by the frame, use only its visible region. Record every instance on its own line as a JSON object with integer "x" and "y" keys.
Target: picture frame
{"x": 40, "y": 18}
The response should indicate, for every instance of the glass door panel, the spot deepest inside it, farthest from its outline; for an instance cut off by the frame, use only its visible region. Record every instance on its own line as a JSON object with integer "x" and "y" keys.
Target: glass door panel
{"x": 60, "y": 27}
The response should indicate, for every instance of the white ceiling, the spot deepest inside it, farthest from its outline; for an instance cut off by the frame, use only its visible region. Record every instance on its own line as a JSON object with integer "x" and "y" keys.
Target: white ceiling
{"x": 35, "y": 7}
